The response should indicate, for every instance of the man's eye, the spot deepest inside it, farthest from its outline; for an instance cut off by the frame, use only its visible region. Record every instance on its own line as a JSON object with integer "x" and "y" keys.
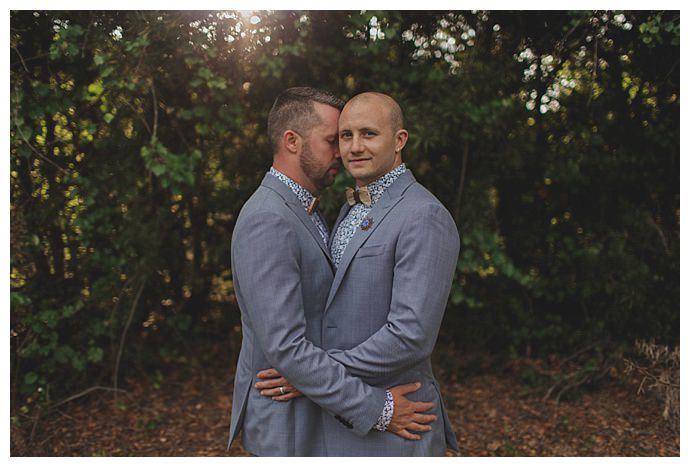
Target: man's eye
{"x": 345, "y": 135}
{"x": 369, "y": 133}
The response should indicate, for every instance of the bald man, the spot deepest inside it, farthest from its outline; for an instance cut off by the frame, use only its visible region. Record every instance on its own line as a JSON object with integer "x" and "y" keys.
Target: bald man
{"x": 395, "y": 249}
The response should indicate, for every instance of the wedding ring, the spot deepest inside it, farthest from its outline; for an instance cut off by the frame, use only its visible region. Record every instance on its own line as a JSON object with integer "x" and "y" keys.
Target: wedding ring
{"x": 282, "y": 391}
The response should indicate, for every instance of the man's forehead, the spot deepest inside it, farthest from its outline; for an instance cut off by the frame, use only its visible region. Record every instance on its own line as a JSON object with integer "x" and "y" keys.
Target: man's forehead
{"x": 367, "y": 114}
{"x": 367, "y": 102}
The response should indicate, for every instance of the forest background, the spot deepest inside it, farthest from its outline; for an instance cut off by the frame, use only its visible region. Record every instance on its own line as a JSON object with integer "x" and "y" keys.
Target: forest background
{"x": 553, "y": 138}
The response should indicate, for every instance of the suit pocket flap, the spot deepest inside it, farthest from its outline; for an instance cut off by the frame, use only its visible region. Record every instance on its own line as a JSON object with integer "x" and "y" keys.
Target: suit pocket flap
{"x": 373, "y": 250}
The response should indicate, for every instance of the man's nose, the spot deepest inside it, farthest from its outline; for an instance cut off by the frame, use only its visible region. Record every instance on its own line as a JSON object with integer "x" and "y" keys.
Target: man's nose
{"x": 357, "y": 145}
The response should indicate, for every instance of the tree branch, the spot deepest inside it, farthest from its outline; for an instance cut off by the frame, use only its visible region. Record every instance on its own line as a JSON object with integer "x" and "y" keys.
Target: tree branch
{"x": 124, "y": 333}
{"x": 155, "y": 112}
{"x": 461, "y": 185}
{"x": 651, "y": 222}
{"x": 594, "y": 70}
{"x": 21, "y": 58}
{"x": 143, "y": 120}
{"x": 83, "y": 46}
{"x": 85, "y": 392}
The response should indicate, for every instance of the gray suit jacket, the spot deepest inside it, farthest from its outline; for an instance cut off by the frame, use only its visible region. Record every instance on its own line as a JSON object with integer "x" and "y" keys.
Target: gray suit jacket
{"x": 282, "y": 273}
{"x": 385, "y": 307}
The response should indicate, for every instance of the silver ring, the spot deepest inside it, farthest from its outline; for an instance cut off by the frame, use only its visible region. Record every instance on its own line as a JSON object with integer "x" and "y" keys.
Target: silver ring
{"x": 282, "y": 391}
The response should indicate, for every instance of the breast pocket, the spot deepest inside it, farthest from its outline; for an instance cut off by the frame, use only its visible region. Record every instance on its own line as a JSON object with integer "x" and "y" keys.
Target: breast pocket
{"x": 373, "y": 250}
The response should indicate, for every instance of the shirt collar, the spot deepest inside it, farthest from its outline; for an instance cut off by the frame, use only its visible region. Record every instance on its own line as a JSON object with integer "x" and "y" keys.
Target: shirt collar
{"x": 379, "y": 186}
{"x": 304, "y": 196}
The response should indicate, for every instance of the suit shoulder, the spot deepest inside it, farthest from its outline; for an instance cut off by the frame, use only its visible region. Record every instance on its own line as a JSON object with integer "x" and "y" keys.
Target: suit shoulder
{"x": 422, "y": 208}
{"x": 263, "y": 202}
{"x": 264, "y": 211}
{"x": 419, "y": 197}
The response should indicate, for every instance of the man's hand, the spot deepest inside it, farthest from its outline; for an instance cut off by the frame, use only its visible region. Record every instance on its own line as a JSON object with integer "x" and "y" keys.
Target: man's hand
{"x": 407, "y": 414}
{"x": 275, "y": 386}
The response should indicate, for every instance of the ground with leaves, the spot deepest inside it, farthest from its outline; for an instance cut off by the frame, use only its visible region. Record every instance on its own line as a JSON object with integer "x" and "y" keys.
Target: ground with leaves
{"x": 186, "y": 412}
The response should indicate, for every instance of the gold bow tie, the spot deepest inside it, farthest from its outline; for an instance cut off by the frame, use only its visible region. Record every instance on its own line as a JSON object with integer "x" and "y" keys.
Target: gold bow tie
{"x": 358, "y": 196}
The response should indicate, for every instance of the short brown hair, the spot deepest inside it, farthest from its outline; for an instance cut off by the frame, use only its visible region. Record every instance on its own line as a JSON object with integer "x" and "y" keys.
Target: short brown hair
{"x": 294, "y": 110}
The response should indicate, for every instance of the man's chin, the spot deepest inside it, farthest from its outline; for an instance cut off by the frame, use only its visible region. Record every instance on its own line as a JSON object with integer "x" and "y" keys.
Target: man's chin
{"x": 360, "y": 176}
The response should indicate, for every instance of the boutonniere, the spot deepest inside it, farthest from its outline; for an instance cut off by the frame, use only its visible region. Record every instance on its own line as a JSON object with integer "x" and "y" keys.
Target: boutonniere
{"x": 367, "y": 223}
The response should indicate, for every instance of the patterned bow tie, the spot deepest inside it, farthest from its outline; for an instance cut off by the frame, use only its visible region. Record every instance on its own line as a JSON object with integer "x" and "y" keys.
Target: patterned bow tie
{"x": 358, "y": 196}
{"x": 312, "y": 205}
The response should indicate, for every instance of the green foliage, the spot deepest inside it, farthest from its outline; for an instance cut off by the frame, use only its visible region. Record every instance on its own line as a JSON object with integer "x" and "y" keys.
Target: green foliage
{"x": 552, "y": 138}
{"x": 173, "y": 170}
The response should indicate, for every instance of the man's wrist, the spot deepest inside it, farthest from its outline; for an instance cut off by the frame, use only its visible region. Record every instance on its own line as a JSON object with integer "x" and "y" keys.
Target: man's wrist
{"x": 387, "y": 413}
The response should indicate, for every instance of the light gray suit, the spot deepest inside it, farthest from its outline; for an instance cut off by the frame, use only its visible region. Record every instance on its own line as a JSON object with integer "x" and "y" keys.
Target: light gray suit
{"x": 282, "y": 273}
{"x": 385, "y": 308}
{"x": 382, "y": 315}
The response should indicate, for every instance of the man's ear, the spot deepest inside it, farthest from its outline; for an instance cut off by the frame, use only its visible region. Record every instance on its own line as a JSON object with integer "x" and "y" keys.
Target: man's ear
{"x": 400, "y": 140}
{"x": 292, "y": 141}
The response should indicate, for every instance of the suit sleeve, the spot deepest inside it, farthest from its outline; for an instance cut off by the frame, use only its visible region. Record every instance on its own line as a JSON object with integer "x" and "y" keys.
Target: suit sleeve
{"x": 266, "y": 257}
{"x": 425, "y": 261}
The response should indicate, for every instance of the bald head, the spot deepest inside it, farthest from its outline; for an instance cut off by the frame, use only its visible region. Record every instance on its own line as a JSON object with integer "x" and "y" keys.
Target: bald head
{"x": 384, "y": 101}
{"x": 372, "y": 136}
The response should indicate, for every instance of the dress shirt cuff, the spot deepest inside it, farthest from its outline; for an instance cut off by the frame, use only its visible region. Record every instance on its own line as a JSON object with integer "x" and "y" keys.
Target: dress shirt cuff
{"x": 387, "y": 414}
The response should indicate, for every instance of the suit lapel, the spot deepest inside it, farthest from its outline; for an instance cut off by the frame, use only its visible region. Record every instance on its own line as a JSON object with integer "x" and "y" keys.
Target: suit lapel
{"x": 296, "y": 207}
{"x": 392, "y": 196}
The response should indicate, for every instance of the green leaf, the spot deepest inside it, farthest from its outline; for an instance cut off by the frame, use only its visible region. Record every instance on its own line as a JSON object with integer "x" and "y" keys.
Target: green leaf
{"x": 50, "y": 318}
{"x": 201, "y": 129}
{"x": 42, "y": 89}
{"x": 205, "y": 73}
{"x": 27, "y": 132}
{"x": 30, "y": 378}
{"x": 456, "y": 296}
{"x": 76, "y": 30}
{"x": 68, "y": 311}
{"x": 157, "y": 169}
{"x": 63, "y": 354}
{"x": 18, "y": 299}
{"x": 72, "y": 50}
{"x": 95, "y": 354}
{"x": 78, "y": 363}
{"x": 95, "y": 88}
{"x": 54, "y": 51}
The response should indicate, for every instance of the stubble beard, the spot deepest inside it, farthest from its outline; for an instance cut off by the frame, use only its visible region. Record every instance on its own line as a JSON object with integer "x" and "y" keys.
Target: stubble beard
{"x": 318, "y": 176}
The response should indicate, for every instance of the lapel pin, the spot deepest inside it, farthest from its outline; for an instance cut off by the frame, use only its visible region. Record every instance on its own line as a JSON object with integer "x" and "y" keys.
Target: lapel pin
{"x": 367, "y": 223}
